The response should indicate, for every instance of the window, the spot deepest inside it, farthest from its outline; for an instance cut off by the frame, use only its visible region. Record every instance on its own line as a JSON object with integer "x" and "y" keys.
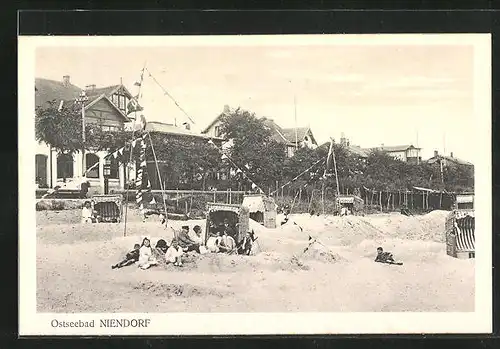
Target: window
{"x": 108, "y": 128}
{"x": 121, "y": 102}
{"x": 64, "y": 166}
{"x": 41, "y": 169}
{"x": 412, "y": 153}
{"x": 217, "y": 131}
{"x": 115, "y": 168}
{"x": 91, "y": 160}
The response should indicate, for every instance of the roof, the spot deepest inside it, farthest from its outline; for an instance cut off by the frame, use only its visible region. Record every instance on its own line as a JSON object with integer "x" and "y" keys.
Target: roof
{"x": 212, "y": 123}
{"x": 357, "y": 150}
{"x": 449, "y": 158}
{"x": 280, "y": 135}
{"x": 258, "y": 202}
{"x": 289, "y": 133}
{"x": 161, "y": 127}
{"x": 48, "y": 90}
{"x": 353, "y": 149}
{"x": 395, "y": 148}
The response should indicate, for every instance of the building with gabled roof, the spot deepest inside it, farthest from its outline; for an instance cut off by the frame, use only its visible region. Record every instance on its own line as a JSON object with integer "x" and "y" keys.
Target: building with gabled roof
{"x": 110, "y": 108}
{"x": 448, "y": 160}
{"x": 292, "y": 138}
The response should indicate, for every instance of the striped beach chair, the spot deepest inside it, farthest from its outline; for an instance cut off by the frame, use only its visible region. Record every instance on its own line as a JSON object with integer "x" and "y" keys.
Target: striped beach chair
{"x": 460, "y": 234}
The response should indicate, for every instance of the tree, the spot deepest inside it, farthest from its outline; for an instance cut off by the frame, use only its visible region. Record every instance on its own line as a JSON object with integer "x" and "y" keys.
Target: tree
{"x": 61, "y": 129}
{"x": 184, "y": 161}
{"x": 254, "y": 150}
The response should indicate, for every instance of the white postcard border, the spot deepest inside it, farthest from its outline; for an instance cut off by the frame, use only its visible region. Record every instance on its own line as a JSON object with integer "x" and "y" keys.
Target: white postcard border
{"x": 479, "y": 321}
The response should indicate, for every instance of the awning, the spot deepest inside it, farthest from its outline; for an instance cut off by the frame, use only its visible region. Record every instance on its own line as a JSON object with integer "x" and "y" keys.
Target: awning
{"x": 254, "y": 203}
{"x": 462, "y": 199}
{"x": 425, "y": 189}
{"x": 345, "y": 200}
{"x": 223, "y": 207}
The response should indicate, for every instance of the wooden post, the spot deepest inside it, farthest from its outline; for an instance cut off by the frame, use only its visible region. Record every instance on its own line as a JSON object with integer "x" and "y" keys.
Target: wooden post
{"x": 441, "y": 201}
{"x": 323, "y": 196}
{"x": 393, "y": 202}
{"x": 230, "y": 196}
{"x": 215, "y": 199}
{"x": 300, "y": 194}
{"x": 380, "y": 200}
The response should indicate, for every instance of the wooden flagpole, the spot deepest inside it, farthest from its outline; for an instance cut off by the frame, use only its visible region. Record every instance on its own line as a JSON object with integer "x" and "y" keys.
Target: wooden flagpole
{"x": 131, "y": 152}
{"x": 159, "y": 180}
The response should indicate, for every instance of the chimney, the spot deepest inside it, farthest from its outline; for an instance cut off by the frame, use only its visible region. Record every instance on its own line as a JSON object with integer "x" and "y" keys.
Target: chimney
{"x": 342, "y": 139}
{"x": 90, "y": 88}
{"x": 187, "y": 126}
{"x": 66, "y": 82}
{"x": 347, "y": 142}
{"x": 451, "y": 154}
{"x": 435, "y": 153}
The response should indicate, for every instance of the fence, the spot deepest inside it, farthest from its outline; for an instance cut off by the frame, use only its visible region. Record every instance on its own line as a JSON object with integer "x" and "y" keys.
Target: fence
{"x": 189, "y": 201}
{"x": 323, "y": 200}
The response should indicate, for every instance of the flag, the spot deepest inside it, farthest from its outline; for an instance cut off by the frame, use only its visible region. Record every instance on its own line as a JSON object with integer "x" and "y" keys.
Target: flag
{"x": 133, "y": 106}
{"x": 152, "y": 202}
{"x": 120, "y": 151}
{"x": 137, "y": 83}
{"x": 143, "y": 123}
{"x": 210, "y": 142}
{"x": 134, "y": 142}
{"x": 115, "y": 154}
{"x": 223, "y": 157}
{"x": 328, "y": 157}
{"x": 60, "y": 106}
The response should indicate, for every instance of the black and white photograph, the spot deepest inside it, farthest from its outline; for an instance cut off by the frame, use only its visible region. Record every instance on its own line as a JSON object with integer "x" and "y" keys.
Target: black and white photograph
{"x": 255, "y": 184}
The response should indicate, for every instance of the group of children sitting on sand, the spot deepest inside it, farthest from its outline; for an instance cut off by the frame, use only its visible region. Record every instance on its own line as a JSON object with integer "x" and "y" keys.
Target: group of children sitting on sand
{"x": 145, "y": 256}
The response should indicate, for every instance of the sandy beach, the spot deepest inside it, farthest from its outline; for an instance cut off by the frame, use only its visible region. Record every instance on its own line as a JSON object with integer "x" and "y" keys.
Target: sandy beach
{"x": 74, "y": 268}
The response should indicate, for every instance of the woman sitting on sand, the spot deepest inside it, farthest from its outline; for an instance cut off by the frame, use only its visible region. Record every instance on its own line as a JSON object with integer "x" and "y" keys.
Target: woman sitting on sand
{"x": 213, "y": 242}
{"x": 226, "y": 243}
{"x": 88, "y": 215}
{"x": 146, "y": 257}
{"x": 160, "y": 250}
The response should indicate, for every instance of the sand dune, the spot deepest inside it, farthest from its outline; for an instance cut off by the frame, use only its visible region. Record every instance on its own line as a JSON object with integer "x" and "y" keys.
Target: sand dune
{"x": 337, "y": 274}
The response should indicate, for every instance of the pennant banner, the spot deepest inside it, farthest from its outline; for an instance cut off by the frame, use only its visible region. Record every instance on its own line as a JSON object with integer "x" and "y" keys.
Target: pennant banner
{"x": 224, "y": 156}
{"x": 298, "y": 176}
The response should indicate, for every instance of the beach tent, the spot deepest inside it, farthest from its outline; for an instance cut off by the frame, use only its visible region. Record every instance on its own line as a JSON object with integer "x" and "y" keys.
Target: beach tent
{"x": 237, "y": 216}
{"x": 262, "y": 209}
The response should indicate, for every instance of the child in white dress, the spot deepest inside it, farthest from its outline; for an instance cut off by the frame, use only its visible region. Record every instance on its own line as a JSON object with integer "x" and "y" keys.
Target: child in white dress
{"x": 146, "y": 256}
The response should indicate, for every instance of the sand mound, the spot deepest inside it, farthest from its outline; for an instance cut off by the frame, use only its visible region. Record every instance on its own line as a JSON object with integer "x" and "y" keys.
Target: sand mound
{"x": 175, "y": 290}
{"x": 321, "y": 253}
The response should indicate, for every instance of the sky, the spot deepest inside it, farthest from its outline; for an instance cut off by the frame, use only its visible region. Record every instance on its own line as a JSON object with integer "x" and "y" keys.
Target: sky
{"x": 374, "y": 94}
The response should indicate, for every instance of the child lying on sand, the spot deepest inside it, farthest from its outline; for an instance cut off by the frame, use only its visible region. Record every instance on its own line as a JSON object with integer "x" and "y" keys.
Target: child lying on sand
{"x": 130, "y": 258}
{"x": 385, "y": 257}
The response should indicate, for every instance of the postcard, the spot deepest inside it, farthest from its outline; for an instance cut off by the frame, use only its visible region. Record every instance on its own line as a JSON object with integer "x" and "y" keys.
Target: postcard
{"x": 276, "y": 184}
